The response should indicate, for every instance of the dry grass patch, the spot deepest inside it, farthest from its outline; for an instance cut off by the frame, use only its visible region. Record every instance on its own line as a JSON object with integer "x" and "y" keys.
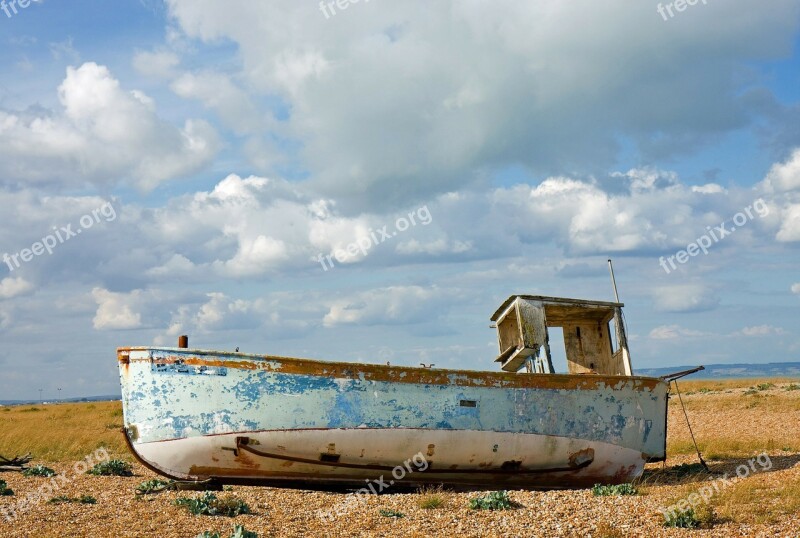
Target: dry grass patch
{"x": 768, "y": 408}
{"x": 721, "y": 385}
{"x": 762, "y": 498}
{"x": 61, "y": 432}
{"x": 431, "y": 497}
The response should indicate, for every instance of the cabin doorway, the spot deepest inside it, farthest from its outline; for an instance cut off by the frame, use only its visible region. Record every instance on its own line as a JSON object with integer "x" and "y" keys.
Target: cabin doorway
{"x": 558, "y": 353}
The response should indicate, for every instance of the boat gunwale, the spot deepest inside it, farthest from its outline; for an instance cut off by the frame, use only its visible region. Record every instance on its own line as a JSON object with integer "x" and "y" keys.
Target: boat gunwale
{"x": 318, "y": 367}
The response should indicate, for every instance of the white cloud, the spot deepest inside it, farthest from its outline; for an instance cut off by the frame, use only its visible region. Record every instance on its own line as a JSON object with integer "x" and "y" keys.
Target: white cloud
{"x": 176, "y": 267}
{"x": 117, "y": 310}
{"x": 255, "y": 256}
{"x": 294, "y": 68}
{"x": 159, "y": 64}
{"x": 220, "y": 312}
{"x": 790, "y": 224}
{"x": 761, "y": 330}
{"x": 379, "y": 96}
{"x": 796, "y": 288}
{"x": 674, "y": 332}
{"x": 654, "y": 211}
{"x": 438, "y": 246}
{"x": 217, "y": 92}
{"x": 11, "y": 287}
{"x": 395, "y": 304}
{"x": 64, "y": 51}
{"x": 709, "y": 188}
{"x": 784, "y": 176}
{"x": 242, "y": 228}
{"x": 73, "y": 148}
{"x": 277, "y": 316}
{"x": 256, "y": 227}
{"x": 684, "y": 298}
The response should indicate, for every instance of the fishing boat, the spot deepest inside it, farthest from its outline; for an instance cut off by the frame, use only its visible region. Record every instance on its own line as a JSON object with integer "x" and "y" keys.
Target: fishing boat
{"x": 238, "y": 418}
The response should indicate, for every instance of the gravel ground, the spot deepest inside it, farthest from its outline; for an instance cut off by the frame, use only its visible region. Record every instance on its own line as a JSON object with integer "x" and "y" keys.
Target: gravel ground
{"x": 278, "y": 512}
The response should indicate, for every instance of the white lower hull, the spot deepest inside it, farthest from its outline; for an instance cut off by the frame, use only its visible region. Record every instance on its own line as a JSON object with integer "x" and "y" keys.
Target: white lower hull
{"x": 413, "y": 457}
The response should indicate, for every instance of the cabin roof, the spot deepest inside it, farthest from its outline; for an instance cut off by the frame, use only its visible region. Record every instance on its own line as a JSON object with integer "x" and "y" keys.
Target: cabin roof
{"x": 573, "y": 304}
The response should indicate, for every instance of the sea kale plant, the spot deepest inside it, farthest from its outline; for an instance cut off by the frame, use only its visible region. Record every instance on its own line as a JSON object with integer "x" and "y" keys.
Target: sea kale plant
{"x": 111, "y": 468}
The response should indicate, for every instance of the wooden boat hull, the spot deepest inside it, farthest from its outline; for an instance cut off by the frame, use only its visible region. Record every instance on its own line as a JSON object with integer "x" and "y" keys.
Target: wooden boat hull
{"x": 235, "y": 418}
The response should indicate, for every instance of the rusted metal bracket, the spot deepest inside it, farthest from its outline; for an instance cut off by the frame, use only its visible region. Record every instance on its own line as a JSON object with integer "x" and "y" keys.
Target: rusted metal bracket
{"x": 579, "y": 460}
{"x": 678, "y": 375}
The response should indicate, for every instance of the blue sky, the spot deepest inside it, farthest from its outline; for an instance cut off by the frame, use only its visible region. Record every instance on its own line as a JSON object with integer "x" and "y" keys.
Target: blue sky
{"x": 217, "y": 150}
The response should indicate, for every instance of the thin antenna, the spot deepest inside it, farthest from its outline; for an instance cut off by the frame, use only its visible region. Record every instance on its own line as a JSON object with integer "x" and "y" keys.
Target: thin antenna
{"x": 619, "y": 324}
{"x": 613, "y": 280}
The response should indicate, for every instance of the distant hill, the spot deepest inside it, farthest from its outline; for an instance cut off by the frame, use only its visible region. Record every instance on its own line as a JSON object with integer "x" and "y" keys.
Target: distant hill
{"x": 729, "y": 371}
{"x": 66, "y": 400}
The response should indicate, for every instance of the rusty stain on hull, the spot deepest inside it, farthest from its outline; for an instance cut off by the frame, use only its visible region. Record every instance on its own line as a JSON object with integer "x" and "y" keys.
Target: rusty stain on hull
{"x": 395, "y": 374}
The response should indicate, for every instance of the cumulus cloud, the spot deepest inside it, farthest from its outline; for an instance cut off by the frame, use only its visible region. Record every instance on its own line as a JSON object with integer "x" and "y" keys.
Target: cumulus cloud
{"x": 761, "y": 330}
{"x": 217, "y": 92}
{"x": 784, "y": 176}
{"x": 258, "y": 227}
{"x": 438, "y": 246}
{"x": 395, "y": 304}
{"x": 674, "y": 332}
{"x": 159, "y": 64}
{"x": 387, "y": 107}
{"x": 11, "y": 287}
{"x": 709, "y": 188}
{"x": 648, "y": 211}
{"x": 790, "y": 224}
{"x": 261, "y": 228}
{"x": 105, "y": 135}
{"x": 684, "y": 298}
{"x": 117, "y": 310}
{"x": 796, "y": 288}
{"x": 220, "y": 312}
{"x": 273, "y": 315}
{"x": 177, "y": 266}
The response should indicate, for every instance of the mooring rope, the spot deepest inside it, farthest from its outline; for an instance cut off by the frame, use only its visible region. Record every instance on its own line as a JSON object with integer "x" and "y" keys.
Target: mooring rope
{"x": 700, "y": 456}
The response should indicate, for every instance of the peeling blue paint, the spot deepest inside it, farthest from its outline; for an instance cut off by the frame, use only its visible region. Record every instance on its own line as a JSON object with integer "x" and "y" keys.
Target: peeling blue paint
{"x": 170, "y": 406}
